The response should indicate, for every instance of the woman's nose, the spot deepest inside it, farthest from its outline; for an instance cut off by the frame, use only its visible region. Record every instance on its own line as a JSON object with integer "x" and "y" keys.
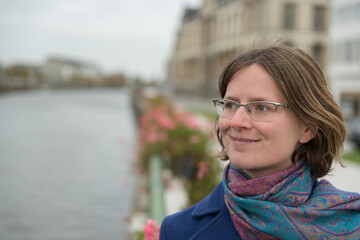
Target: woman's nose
{"x": 241, "y": 119}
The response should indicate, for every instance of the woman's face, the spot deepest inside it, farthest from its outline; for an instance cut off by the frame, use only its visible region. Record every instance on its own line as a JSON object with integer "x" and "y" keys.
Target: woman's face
{"x": 260, "y": 148}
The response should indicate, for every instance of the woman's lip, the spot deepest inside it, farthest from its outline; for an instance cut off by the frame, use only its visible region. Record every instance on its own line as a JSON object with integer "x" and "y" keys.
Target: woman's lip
{"x": 245, "y": 140}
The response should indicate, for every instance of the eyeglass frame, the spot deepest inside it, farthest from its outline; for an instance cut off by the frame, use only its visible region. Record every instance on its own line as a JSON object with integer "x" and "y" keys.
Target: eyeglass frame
{"x": 276, "y": 104}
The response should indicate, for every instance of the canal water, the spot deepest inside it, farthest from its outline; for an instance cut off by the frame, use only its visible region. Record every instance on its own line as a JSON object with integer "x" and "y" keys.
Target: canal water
{"x": 65, "y": 164}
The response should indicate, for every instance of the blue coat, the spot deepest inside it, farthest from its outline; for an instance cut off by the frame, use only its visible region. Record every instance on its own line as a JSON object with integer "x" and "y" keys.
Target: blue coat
{"x": 207, "y": 220}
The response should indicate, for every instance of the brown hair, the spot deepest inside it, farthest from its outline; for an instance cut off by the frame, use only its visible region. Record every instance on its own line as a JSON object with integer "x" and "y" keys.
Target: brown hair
{"x": 303, "y": 84}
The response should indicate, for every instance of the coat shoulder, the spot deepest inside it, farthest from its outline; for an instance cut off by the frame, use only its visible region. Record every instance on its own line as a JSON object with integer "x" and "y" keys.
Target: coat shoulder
{"x": 197, "y": 219}
{"x": 184, "y": 224}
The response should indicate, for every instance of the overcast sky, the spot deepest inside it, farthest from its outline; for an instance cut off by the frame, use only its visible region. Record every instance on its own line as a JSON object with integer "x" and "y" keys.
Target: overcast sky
{"x": 135, "y": 37}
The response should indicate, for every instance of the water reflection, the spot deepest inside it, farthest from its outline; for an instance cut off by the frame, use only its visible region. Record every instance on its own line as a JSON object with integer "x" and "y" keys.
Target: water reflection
{"x": 65, "y": 164}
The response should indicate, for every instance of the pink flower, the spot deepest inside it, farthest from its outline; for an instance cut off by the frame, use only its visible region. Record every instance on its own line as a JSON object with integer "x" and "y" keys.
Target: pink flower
{"x": 203, "y": 169}
{"x": 152, "y": 137}
{"x": 159, "y": 109}
{"x": 192, "y": 123}
{"x": 151, "y": 230}
{"x": 180, "y": 115}
{"x": 165, "y": 122}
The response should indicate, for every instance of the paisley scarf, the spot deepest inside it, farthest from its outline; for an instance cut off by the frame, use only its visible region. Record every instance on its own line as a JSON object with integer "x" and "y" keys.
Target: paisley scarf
{"x": 290, "y": 205}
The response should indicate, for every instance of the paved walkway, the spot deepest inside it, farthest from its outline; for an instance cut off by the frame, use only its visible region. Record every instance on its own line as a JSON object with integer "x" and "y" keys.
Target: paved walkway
{"x": 347, "y": 178}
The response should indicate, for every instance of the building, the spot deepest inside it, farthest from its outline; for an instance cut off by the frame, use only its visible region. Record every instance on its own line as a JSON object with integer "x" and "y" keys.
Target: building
{"x": 20, "y": 76}
{"x": 69, "y": 72}
{"x": 345, "y": 63}
{"x": 210, "y": 35}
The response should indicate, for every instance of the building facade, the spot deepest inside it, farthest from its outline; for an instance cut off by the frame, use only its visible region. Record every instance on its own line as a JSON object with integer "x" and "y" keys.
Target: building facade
{"x": 61, "y": 72}
{"x": 345, "y": 63}
{"x": 211, "y": 35}
{"x": 20, "y": 76}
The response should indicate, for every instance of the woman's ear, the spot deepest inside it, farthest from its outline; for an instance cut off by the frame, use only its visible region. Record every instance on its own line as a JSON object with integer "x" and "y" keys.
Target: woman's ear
{"x": 306, "y": 136}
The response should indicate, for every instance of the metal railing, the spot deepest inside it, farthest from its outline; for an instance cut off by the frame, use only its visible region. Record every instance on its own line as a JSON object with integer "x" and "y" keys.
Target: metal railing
{"x": 156, "y": 187}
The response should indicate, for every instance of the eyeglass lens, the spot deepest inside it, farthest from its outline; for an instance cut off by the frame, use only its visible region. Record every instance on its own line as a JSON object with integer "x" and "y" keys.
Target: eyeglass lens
{"x": 256, "y": 111}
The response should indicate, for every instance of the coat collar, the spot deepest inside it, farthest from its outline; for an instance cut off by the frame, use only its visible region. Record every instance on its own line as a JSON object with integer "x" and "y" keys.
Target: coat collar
{"x": 212, "y": 203}
{"x": 221, "y": 225}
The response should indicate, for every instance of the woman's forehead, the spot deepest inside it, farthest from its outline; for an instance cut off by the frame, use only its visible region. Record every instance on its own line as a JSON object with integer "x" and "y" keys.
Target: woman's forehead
{"x": 253, "y": 83}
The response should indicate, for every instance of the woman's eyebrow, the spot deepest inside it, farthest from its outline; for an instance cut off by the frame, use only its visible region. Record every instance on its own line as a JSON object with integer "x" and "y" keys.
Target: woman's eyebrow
{"x": 231, "y": 98}
{"x": 260, "y": 99}
{"x": 251, "y": 99}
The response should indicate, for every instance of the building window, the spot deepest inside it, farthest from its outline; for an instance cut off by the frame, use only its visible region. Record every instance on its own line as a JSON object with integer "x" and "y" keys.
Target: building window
{"x": 289, "y": 16}
{"x": 319, "y": 18}
{"x": 222, "y": 3}
{"x": 347, "y": 14}
{"x": 348, "y": 52}
{"x": 318, "y": 54}
{"x": 357, "y": 51}
{"x": 349, "y": 106}
{"x": 335, "y": 53}
{"x": 288, "y": 43}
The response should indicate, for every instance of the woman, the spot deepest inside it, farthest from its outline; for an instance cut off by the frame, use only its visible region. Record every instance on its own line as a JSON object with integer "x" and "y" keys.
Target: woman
{"x": 281, "y": 129}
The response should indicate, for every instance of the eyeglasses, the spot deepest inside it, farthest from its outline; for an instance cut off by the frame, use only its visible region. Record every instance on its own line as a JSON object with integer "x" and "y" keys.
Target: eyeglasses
{"x": 259, "y": 111}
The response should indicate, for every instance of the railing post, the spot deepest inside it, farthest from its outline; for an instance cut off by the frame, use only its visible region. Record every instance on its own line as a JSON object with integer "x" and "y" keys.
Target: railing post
{"x": 156, "y": 186}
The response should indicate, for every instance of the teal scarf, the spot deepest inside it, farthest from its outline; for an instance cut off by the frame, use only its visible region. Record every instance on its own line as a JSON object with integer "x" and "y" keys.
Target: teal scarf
{"x": 290, "y": 205}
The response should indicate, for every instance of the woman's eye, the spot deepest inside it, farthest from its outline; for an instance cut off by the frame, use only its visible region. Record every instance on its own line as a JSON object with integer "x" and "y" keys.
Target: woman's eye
{"x": 262, "y": 108}
{"x": 229, "y": 105}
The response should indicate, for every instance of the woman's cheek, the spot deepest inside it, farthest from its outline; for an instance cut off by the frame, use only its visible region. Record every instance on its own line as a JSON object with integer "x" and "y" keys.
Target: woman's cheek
{"x": 224, "y": 125}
